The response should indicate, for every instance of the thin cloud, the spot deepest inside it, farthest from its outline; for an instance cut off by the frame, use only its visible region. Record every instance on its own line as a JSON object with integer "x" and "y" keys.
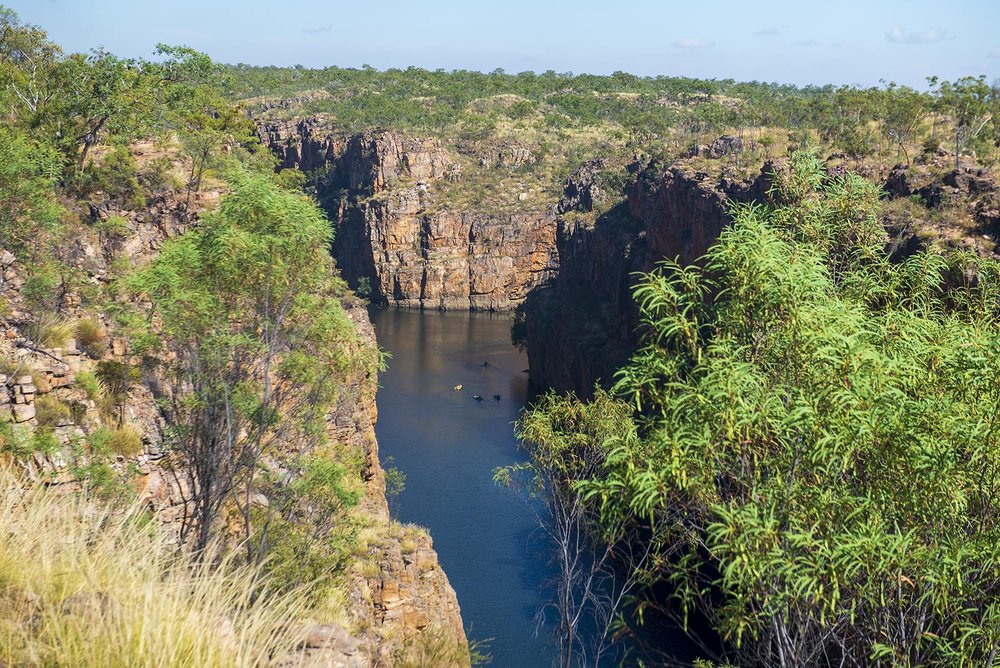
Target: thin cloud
{"x": 317, "y": 30}
{"x": 994, "y": 54}
{"x": 899, "y": 36}
{"x": 691, "y": 43}
{"x": 768, "y": 31}
{"x": 806, "y": 42}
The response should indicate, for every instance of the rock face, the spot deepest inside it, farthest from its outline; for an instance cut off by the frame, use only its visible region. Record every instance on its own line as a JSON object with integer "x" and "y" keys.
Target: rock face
{"x": 393, "y": 238}
{"x": 581, "y": 327}
{"x": 409, "y": 598}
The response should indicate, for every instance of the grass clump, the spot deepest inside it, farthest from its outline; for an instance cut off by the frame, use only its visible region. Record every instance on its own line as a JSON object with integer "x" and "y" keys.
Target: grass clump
{"x": 50, "y": 331}
{"x": 83, "y": 586}
{"x": 92, "y": 337}
{"x": 124, "y": 440}
{"x": 51, "y": 412}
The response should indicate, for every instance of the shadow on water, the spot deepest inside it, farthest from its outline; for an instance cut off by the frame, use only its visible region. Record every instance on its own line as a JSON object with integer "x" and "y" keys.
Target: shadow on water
{"x": 448, "y": 445}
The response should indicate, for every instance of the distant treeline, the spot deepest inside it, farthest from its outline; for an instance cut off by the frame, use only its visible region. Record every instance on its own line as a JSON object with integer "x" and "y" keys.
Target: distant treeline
{"x": 857, "y": 120}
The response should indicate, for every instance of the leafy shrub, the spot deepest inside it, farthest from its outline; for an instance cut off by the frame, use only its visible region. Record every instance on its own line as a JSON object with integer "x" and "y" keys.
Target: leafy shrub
{"x": 811, "y": 421}
{"x": 116, "y": 175}
{"x": 41, "y": 288}
{"x": 157, "y": 175}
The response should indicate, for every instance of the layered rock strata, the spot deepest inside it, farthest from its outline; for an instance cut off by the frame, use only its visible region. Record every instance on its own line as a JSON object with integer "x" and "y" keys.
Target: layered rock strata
{"x": 581, "y": 327}
{"x": 397, "y": 237}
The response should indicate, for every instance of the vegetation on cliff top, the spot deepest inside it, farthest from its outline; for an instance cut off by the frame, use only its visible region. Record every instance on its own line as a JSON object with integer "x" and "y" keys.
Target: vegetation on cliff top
{"x": 814, "y": 452}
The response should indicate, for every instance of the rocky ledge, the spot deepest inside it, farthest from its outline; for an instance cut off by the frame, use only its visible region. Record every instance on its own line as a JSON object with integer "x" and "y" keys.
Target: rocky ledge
{"x": 398, "y": 238}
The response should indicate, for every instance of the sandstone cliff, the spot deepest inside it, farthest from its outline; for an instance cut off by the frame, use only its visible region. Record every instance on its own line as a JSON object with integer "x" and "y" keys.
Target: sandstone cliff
{"x": 399, "y": 237}
{"x": 581, "y": 327}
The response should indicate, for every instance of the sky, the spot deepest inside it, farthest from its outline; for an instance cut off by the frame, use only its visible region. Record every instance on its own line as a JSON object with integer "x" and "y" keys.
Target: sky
{"x": 809, "y": 41}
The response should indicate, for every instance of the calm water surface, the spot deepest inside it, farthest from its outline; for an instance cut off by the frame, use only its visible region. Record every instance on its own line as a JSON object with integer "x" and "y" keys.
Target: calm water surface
{"x": 448, "y": 444}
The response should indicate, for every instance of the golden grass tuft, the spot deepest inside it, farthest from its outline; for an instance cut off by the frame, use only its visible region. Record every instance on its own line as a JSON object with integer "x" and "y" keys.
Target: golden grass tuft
{"x": 83, "y": 586}
{"x": 49, "y": 330}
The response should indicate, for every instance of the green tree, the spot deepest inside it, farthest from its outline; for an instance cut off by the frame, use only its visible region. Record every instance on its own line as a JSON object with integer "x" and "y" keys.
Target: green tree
{"x": 817, "y": 440}
{"x": 967, "y": 100}
{"x": 249, "y": 308}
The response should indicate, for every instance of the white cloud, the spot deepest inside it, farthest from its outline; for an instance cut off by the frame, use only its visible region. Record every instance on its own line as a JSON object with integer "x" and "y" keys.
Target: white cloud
{"x": 691, "y": 43}
{"x": 929, "y": 36}
{"x": 317, "y": 30}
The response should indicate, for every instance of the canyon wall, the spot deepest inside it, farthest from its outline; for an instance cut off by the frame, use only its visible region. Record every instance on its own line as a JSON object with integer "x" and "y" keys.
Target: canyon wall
{"x": 398, "y": 237}
{"x": 581, "y": 327}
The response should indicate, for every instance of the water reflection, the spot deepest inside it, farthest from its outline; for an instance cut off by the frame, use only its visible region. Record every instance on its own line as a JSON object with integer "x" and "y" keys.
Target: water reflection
{"x": 448, "y": 445}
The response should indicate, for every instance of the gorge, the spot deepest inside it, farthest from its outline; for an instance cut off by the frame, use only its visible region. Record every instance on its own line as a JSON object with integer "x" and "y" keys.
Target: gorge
{"x": 363, "y": 368}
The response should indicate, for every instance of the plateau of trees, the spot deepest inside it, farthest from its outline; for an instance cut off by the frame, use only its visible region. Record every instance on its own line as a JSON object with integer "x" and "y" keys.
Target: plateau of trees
{"x": 860, "y": 121}
{"x": 813, "y": 446}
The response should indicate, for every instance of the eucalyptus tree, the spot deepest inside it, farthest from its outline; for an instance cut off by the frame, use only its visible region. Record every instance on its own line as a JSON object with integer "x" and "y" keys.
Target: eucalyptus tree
{"x": 248, "y": 307}
{"x": 967, "y": 101}
{"x": 818, "y": 446}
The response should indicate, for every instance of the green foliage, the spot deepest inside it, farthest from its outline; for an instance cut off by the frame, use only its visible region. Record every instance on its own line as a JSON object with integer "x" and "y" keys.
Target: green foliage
{"x": 28, "y": 174}
{"x": 116, "y": 176}
{"x": 88, "y": 382}
{"x": 311, "y": 542}
{"x": 816, "y": 446}
{"x": 250, "y": 306}
{"x": 108, "y": 442}
{"x": 50, "y": 411}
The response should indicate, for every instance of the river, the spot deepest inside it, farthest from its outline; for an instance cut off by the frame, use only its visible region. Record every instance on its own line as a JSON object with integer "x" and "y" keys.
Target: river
{"x": 448, "y": 445}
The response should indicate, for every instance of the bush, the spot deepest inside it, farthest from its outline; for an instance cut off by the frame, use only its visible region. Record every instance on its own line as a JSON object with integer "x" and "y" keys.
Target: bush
{"x": 157, "y": 175}
{"x": 815, "y": 461}
{"x": 50, "y": 412}
{"x": 89, "y": 383}
{"x": 40, "y": 289}
{"x": 107, "y": 441}
{"x": 116, "y": 175}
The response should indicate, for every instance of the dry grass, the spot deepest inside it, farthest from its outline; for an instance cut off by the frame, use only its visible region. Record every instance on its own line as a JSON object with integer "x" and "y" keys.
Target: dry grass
{"x": 92, "y": 337}
{"x": 83, "y": 586}
{"x": 50, "y": 331}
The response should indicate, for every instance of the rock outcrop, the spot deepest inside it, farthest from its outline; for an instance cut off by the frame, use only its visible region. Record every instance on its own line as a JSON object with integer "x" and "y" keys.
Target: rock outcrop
{"x": 394, "y": 233}
{"x": 580, "y": 328}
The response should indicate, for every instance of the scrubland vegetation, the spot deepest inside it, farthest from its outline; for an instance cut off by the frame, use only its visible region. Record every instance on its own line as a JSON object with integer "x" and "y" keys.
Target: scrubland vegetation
{"x": 806, "y": 441}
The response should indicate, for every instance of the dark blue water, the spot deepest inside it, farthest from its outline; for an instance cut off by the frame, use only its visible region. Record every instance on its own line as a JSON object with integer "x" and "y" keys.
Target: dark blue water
{"x": 448, "y": 445}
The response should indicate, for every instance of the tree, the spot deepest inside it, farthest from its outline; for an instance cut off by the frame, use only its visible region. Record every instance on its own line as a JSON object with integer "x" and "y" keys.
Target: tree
{"x": 599, "y": 560}
{"x": 102, "y": 93}
{"x": 28, "y": 62}
{"x": 817, "y": 440}
{"x": 967, "y": 101}
{"x": 29, "y": 171}
{"x": 905, "y": 110}
{"x": 249, "y": 309}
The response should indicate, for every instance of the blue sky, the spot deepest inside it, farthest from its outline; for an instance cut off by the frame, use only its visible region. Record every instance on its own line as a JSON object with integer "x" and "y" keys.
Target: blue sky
{"x": 809, "y": 41}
